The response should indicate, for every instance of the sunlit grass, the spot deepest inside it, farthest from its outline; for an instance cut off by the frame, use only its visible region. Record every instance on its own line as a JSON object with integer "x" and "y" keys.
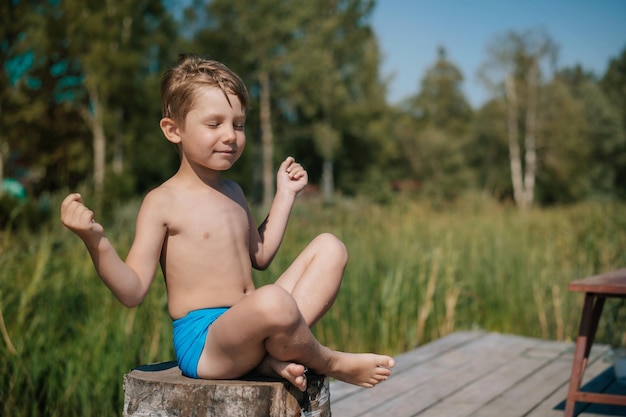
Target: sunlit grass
{"x": 415, "y": 274}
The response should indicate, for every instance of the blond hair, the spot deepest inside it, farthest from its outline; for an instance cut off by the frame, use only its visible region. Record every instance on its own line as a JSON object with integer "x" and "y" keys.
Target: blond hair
{"x": 180, "y": 84}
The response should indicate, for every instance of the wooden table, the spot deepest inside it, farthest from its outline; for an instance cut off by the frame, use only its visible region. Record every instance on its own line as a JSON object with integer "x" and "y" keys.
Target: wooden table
{"x": 597, "y": 289}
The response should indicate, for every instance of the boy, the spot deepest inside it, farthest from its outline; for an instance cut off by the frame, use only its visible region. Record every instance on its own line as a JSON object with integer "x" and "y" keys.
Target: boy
{"x": 200, "y": 229}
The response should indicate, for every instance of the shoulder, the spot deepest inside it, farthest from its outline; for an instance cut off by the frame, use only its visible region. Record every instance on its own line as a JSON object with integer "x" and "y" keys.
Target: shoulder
{"x": 234, "y": 191}
{"x": 158, "y": 196}
{"x": 158, "y": 202}
{"x": 232, "y": 186}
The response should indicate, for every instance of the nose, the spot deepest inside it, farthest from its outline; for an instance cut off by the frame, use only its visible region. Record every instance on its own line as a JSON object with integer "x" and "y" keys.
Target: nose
{"x": 230, "y": 135}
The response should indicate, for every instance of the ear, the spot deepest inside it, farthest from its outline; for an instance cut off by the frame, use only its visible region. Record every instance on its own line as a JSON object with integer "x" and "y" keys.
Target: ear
{"x": 171, "y": 130}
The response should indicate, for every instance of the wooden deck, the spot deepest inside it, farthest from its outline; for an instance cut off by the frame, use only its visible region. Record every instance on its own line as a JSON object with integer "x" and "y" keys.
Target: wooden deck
{"x": 483, "y": 375}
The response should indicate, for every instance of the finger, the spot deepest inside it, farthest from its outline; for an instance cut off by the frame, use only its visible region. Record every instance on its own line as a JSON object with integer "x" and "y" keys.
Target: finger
{"x": 297, "y": 173}
{"x": 73, "y": 208}
{"x": 297, "y": 170}
{"x": 71, "y": 198}
{"x": 86, "y": 216}
{"x": 295, "y": 167}
{"x": 75, "y": 214}
{"x": 286, "y": 164}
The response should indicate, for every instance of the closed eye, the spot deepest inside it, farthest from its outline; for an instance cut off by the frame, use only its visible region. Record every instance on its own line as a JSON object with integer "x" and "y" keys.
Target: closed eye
{"x": 239, "y": 126}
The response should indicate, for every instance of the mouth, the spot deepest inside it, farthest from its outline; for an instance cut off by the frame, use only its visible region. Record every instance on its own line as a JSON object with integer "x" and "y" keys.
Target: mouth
{"x": 226, "y": 152}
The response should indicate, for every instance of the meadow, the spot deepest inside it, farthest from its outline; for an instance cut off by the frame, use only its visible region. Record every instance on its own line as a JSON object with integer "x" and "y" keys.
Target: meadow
{"x": 416, "y": 273}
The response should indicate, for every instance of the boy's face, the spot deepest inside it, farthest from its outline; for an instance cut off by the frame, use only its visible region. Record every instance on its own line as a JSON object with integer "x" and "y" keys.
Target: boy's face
{"x": 213, "y": 134}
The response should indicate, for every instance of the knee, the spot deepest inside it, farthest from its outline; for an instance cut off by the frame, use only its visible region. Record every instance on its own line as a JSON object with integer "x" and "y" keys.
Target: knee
{"x": 277, "y": 307}
{"x": 333, "y": 247}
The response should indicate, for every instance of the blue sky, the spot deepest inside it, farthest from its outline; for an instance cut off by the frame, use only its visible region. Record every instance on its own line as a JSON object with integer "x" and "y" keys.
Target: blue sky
{"x": 588, "y": 32}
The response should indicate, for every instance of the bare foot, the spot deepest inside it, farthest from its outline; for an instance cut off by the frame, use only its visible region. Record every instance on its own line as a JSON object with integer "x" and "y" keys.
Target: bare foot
{"x": 292, "y": 372}
{"x": 362, "y": 369}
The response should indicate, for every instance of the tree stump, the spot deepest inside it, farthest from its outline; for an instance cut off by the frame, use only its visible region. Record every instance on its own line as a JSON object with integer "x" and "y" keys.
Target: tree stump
{"x": 160, "y": 390}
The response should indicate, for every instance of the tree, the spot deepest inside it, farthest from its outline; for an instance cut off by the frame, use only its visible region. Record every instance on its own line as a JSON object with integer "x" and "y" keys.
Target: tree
{"x": 333, "y": 85}
{"x": 565, "y": 148}
{"x": 613, "y": 84}
{"x": 18, "y": 37}
{"x": 308, "y": 65}
{"x": 252, "y": 38}
{"x": 489, "y": 153}
{"x": 111, "y": 42}
{"x": 440, "y": 101}
{"x": 438, "y": 141}
{"x": 514, "y": 67}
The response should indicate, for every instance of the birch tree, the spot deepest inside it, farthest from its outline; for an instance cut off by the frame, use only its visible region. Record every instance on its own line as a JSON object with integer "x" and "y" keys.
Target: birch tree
{"x": 514, "y": 69}
{"x": 108, "y": 40}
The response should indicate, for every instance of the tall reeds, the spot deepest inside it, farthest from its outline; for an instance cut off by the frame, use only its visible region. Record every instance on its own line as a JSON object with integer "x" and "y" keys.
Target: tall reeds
{"x": 415, "y": 274}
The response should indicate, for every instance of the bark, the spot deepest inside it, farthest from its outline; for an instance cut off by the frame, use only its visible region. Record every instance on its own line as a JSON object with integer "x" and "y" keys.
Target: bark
{"x": 523, "y": 176}
{"x": 514, "y": 148}
{"x": 267, "y": 139}
{"x": 328, "y": 186}
{"x": 118, "y": 145}
{"x": 95, "y": 122}
{"x": 530, "y": 156}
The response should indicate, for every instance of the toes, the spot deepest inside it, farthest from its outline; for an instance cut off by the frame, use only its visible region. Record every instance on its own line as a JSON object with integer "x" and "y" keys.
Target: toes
{"x": 388, "y": 363}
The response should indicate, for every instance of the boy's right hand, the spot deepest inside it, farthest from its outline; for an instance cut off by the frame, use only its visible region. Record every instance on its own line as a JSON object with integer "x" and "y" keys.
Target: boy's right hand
{"x": 79, "y": 219}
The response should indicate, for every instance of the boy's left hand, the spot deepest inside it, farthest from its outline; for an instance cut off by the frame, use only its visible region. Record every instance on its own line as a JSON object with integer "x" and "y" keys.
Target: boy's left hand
{"x": 291, "y": 176}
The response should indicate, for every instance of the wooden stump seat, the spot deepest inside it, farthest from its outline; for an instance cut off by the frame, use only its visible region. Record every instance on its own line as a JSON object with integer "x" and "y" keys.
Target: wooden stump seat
{"x": 160, "y": 390}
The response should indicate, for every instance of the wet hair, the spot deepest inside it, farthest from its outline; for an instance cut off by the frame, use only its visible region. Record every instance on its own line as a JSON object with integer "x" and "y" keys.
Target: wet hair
{"x": 180, "y": 84}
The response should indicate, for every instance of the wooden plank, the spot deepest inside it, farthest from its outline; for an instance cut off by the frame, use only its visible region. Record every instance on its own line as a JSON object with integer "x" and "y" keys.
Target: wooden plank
{"x": 546, "y": 407}
{"x": 427, "y": 384}
{"x": 406, "y": 361}
{"x": 429, "y": 360}
{"x": 473, "y": 397}
{"x": 522, "y": 398}
{"x": 473, "y": 374}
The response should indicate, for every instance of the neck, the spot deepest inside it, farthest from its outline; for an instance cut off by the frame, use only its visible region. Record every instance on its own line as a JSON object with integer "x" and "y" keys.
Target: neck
{"x": 195, "y": 175}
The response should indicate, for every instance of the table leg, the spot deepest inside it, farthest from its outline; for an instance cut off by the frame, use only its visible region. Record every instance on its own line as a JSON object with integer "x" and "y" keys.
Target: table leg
{"x": 592, "y": 310}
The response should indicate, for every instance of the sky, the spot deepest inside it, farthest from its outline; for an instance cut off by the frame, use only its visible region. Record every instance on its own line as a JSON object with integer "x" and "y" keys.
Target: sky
{"x": 588, "y": 32}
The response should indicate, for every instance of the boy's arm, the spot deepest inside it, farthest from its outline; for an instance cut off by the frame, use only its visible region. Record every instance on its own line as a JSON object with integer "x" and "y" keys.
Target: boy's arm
{"x": 265, "y": 241}
{"x": 129, "y": 281}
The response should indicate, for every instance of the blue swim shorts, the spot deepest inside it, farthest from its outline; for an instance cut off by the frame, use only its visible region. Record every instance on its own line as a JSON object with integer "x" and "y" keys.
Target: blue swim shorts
{"x": 190, "y": 336}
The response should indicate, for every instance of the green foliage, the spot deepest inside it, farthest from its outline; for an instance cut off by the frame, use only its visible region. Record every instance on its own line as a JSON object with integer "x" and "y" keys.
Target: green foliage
{"x": 66, "y": 340}
{"x": 564, "y": 159}
{"x": 415, "y": 274}
{"x": 63, "y": 60}
{"x": 441, "y": 102}
{"x": 434, "y": 134}
{"x": 489, "y": 154}
{"x": 29, "y": 214}
{"x": 614, "y": 84}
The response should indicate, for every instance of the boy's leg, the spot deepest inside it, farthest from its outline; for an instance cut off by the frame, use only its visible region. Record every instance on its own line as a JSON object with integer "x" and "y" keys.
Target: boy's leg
{"x": 313, "y": 279}
{"x": 239, "y": 340}
{"x": 268, "y": 321}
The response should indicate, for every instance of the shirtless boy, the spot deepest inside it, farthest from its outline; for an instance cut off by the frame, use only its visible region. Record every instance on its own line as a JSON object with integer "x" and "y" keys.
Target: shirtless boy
{"x": 200, "y": 229}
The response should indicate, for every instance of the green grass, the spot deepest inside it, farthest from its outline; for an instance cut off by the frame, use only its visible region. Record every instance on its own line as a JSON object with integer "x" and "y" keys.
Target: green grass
{"x": 415, "y": 274}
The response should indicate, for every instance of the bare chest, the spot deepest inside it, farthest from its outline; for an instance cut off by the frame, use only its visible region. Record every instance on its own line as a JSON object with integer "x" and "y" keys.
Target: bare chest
{"x": 223, "y": 222}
